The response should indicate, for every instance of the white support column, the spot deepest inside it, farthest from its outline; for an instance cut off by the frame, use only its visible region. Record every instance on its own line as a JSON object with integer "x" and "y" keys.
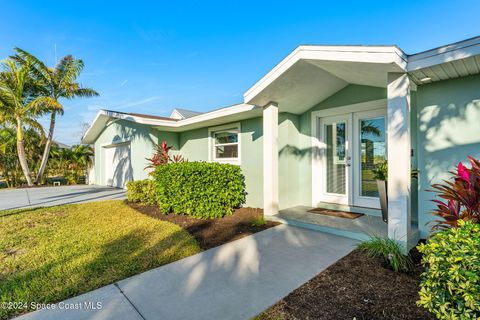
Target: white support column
{"x": 399, "y": 157}
{"x": 270, "y": 159}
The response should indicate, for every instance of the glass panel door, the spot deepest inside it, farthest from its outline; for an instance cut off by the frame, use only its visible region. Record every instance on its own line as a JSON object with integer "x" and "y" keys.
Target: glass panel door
{"x": 335, "y": 140}
{"x": 336, "y": 159}
{"x": 371, "y": 151}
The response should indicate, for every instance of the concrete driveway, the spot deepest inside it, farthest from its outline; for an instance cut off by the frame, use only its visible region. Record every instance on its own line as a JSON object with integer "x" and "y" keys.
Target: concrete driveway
{"x": 235, "y": 281}
{"x": 53, "y": 196}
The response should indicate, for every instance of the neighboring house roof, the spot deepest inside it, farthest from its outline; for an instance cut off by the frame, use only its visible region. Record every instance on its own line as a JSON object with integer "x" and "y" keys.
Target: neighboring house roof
{"x": 180, "y": 114}
{"x": 141, "y": 115}
{"x": 61, "y": 145}
{"x": 311, "y": 73}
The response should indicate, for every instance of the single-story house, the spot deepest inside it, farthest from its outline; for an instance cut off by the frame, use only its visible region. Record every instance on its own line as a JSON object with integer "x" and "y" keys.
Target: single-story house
{"x": 309, "y": 133}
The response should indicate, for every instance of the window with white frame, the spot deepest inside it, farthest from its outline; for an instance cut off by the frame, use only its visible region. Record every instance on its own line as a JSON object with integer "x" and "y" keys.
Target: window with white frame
{"x": 225, "y": 144}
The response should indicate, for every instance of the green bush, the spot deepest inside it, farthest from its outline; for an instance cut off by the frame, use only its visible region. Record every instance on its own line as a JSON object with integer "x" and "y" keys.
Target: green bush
{"x": 450, "y": 286}
{"x": 141, "y": 191}
{"x": 388, "y": 249}
{"x": 199, "y": 189}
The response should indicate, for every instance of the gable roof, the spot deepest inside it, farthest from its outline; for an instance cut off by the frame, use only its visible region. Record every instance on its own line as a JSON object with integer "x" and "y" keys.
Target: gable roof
{"x": 179, "y": 114}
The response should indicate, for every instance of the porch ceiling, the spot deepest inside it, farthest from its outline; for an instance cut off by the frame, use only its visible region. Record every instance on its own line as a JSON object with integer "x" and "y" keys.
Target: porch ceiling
{"x": 311, "y": 74}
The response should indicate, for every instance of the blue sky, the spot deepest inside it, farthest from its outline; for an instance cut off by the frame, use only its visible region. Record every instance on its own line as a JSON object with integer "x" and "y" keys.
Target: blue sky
{"x": 149, "y": 57}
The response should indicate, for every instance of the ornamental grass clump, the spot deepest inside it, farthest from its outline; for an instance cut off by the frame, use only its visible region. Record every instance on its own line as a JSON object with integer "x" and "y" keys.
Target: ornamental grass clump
{"x": 460, "y": 197}
{"x": 450, "y": 287}
{"x": 388, "y": 249}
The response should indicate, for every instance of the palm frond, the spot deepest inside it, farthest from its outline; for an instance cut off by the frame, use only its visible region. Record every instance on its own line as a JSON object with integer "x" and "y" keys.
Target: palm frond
{"x": 39, "y": 69}
{"x": 85, "y": 93}
{"x": 44, "y": 104}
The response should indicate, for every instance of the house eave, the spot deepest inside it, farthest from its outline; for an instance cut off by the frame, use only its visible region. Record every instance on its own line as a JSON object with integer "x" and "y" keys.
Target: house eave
{"x": 229, "y": 114}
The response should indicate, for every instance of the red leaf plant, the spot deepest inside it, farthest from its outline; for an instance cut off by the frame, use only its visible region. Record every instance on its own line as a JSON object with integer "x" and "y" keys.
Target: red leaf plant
{"x": 461, "y": 197}
{"x": 161, "y": 156}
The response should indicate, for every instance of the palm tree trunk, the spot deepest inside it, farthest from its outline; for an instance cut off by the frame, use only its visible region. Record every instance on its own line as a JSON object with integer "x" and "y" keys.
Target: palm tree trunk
{"x": 46, "y": 151}
{"x": 21, "y": 153}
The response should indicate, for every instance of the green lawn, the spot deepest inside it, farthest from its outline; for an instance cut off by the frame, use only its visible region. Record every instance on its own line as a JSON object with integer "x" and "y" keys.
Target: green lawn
{"x": 50, "y": 254}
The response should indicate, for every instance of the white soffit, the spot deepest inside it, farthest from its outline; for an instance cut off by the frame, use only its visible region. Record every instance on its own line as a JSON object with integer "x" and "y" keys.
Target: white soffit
{"x": 300, "y": 88}
{"x": 337, "y": 66}
{"x": 455, "y": 60}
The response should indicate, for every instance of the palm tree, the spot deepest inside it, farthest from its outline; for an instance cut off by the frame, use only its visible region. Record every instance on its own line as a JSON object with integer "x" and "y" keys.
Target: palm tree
{"x": 20, "y": 105}
{"x": 59, "y": 82}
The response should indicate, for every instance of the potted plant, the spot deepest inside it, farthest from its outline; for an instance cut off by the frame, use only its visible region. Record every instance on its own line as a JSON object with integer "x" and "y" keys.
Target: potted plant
{"x": 380, "y": 173}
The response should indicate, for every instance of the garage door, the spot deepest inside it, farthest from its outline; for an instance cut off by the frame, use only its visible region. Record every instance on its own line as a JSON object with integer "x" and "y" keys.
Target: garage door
{"x": 118, "y": 166}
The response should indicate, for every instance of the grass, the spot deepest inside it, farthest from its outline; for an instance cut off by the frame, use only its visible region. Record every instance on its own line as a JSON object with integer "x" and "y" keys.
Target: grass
{"x": 50, "y": 254}
{"x": 259, "y": 221}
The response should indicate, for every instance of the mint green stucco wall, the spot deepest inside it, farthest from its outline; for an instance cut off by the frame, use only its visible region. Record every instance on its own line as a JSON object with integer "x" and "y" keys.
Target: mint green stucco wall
{"x": 194, "y": 144}
{"x": 289, "y": 186}
{"x": 448, "y": 131}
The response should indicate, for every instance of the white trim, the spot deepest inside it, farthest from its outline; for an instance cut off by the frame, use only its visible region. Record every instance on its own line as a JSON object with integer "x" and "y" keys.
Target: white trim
{"x": 359, "y": 200}
{"x": 211, "y": 157}
{"x": 317, "y": 145}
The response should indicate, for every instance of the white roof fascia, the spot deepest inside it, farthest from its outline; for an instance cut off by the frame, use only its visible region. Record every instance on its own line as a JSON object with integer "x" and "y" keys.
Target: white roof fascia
{"x": 455, "y": 51}
{"x": 239, "y": 108}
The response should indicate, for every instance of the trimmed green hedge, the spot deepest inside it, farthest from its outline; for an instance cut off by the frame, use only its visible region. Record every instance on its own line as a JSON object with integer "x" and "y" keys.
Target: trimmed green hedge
{"x": 450, "y": 287}
{"x": 141, "y": 191}
{"x": 199, "y": 189}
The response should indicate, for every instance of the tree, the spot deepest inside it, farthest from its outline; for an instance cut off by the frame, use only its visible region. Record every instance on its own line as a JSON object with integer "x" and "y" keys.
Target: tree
{"x": 21, "y": 105}
{"x": 58, "y": 83}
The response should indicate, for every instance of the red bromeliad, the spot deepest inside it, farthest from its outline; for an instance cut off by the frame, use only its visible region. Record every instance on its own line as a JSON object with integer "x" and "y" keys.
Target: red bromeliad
{"x": 461, "y": 197}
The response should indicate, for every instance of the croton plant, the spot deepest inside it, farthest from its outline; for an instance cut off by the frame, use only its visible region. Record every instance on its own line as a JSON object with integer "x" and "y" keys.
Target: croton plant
{"x": 162, "y": 156}
{"x": 460, "y": 197}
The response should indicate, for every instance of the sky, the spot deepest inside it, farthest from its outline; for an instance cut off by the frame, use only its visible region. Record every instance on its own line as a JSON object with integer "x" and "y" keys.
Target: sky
{"x": 150, "y": 57}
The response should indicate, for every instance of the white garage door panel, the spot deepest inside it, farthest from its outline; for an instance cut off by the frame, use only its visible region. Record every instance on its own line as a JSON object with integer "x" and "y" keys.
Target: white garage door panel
{"x": 118, "y": 166}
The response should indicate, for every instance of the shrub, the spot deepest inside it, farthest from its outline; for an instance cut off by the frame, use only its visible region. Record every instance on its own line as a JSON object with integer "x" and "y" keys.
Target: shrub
{"x": 141, "y": 191}
{"x": 390, "y": 250}
{"x": 450, "y": 286}
{"x": 200, "y": 189}
{"x": 462, "y": 197}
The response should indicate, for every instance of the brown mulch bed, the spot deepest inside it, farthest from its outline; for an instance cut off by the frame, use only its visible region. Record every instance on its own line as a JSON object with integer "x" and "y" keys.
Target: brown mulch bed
{"x": 212, "y": 232}
{"x": 355, "y": 287}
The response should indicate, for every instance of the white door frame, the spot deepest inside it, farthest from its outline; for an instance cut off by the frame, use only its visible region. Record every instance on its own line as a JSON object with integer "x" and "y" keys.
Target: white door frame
{"x": 358, "y": 199}
{"x": 318, "y": 146}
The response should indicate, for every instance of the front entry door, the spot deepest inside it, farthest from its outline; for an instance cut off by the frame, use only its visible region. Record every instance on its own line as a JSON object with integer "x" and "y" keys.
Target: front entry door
{"x": 335, "y": 134}
{"x": 352, "y": 145}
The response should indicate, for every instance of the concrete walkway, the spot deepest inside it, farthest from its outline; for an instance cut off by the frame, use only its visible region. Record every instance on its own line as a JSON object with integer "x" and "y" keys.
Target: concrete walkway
{"x": 237, "y": 280}
{"x": 53, "y": 196}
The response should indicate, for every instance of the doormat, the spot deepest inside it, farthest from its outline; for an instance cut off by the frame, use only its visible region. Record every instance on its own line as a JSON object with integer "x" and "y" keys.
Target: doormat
{"x": 335, "y": 213}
